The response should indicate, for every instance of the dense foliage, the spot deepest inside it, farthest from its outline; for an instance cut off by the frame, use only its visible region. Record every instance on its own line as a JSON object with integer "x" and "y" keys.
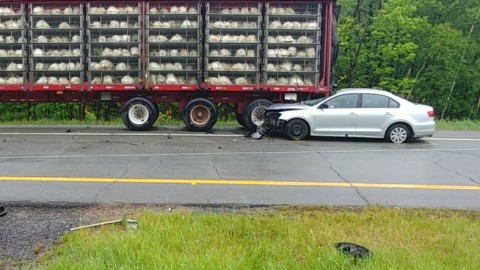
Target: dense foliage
{"x": 427, "y": 51}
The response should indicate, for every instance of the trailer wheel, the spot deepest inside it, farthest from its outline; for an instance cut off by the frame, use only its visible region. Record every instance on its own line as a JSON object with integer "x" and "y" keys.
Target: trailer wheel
{"x": 139, "y": 114}
{"x": 240, "y": 118}
{"x": 200, "y": 115}
{"x": 255, "y": 113}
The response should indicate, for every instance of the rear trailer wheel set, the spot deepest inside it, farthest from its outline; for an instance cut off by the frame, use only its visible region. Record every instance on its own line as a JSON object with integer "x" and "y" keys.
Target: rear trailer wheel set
{"x": 140, "y": 53}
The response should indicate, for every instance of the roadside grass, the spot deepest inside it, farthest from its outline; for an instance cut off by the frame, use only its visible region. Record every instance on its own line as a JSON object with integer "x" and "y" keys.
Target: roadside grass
{"x": 458, "y": 125}
{"x": 277, "y": 238}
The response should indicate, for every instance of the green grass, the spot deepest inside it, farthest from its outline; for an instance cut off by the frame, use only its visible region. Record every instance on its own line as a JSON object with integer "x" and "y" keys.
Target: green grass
{"x": 459, "y": 125}
{"x": 282, "y": 238}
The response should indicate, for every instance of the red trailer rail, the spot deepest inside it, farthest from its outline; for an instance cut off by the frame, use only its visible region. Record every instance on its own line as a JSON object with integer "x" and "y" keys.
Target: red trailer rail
{"x": 139, "y": 53}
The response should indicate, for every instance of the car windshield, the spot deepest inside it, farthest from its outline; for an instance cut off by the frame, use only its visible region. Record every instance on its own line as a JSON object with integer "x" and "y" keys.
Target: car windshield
{"x": 313, "y": 102}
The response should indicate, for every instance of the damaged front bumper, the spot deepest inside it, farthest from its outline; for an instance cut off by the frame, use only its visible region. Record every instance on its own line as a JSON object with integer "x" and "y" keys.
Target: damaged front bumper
{"x": 272, "y": 124}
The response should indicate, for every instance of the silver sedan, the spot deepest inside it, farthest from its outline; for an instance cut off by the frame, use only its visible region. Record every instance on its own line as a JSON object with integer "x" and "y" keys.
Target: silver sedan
{"x": 364, "y": 113}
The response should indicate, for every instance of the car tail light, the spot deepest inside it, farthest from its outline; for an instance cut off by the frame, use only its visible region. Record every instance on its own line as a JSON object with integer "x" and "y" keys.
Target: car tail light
{"x": 431, "y": 114}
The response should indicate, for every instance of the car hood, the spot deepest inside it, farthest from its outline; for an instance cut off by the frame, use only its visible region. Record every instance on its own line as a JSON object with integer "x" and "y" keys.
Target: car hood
{"x": 287, "y": 107}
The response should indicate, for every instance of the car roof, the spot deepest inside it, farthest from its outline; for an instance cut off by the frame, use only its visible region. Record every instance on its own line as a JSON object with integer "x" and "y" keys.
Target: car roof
{"x": 363, "y": 90}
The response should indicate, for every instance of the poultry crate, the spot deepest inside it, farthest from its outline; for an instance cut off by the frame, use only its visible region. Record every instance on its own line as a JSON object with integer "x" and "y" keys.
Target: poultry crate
{"x": 114, "y": 45}
{"x": 292, "y": 46}
{"x": 13, "y": 68}
{"x": 233, "y": 44}
{"x": 56, "y": 57}
{"x": 174, "y": 46}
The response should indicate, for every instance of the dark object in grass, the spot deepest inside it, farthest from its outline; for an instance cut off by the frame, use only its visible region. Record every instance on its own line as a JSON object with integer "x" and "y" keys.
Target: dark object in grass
{"x": 3, "y": 212}
{"x": 354, "y": 251}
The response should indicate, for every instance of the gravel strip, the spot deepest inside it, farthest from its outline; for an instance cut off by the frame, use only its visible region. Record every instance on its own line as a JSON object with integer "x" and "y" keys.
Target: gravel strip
{"x": 29, "y": 229}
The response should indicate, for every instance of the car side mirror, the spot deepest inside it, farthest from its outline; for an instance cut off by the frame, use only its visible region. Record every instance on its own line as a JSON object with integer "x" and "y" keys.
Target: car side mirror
{"x": 323, "y": 106}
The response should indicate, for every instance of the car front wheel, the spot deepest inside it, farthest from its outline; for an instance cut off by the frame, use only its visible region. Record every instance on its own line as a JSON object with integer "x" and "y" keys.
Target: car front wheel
{"x": 296, "y": 129}
{"x": 398, "y": 133}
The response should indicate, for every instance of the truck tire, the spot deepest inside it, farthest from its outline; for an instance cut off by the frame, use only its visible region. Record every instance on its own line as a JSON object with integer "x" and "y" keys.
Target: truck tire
{"x": 254, "y": 114}
{"x": 240, "y": 117}
{"x": 139, "y": 114}
{"x": 200, "y": 115}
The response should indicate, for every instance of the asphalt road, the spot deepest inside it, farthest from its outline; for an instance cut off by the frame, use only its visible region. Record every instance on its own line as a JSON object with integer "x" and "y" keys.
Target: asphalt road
{"x": 174, "y": 166}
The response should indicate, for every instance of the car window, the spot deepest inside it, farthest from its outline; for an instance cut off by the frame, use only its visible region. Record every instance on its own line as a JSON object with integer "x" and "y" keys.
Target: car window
{"x": 378, "y": 101}
{"x": 343, "y": 102}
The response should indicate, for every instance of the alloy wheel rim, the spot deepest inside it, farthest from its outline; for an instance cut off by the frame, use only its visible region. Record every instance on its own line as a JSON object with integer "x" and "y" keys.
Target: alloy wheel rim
{"x": 398, "y": 135}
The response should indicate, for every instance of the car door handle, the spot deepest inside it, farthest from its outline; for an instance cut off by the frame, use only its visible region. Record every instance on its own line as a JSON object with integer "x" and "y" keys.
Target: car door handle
{"x": 388, "y": 114}
{"x": 353, "y": 114}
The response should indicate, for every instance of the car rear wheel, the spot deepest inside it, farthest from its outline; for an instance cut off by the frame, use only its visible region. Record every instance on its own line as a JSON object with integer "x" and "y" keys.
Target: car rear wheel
{"x": 398, "y": 133}
{"x": 296, "y": 129}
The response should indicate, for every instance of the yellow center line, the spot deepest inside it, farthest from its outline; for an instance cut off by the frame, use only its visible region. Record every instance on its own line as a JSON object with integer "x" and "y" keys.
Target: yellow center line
{"x": 232, "y": 183}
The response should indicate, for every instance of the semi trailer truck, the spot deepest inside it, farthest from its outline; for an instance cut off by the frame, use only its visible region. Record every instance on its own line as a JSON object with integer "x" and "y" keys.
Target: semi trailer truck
{"x": 139, "y": 54}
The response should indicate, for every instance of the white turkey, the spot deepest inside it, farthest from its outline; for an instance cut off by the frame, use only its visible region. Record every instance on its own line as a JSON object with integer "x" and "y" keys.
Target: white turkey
{"x": 241, "y": 39}
{"x": 174, "y": 52}
{"x": 75, "y": 80}
{"x": 126, "y": 53}
{"x": 102, "y": 39}
{"x": 286, "y": 66}
{"x": 271, "y": 67}
{"x": 53, "y": 66}
{"x": 310, "y": 52}
{"x": 64, "y": 25}
{"x": 186, "y": 24}
{"x": 177, "y": 38}
{"x": 70, "y": 66}
{"x": 225, "y": 11}
{"x": 114, "y": 24}
{"x": 76, "y": 39}
{"x": 283, "y": 53}
{"x": 107, "y": 79}
{"x": 3, "y": 53}
{"x": 240, "y": 53}
{"x": 124, "y": 25}
{"x": 225, "y": 52}
{"x": 235, "y": 11}
{"x": 38, "y": 10}
{"x": 164, "y": 11}
{"x": 192, "y": 81}
{"x": 121, "y": 66}
{"x": 67, "y": 11}
{"x": 251, "y": 38}
{"x": 162, "y": 53}
{"x": 117, "y": 52}
{"x": 112, "y": 10}
{"x": 2, "y": 81}
{"x": 289, "y": 39}
{"x": 76, "y": 52}
{"x": 41, "y": 24}
{"x": 290, "y": 11}
{"x": 275, "y": 24}
{"x": 282, "y": 81}
{"x": 292, "y": 51}
{"x": 9, "y": 39}
{"x": 96, "y": 25}
{"x": 183, "y": 53}
{"x": 271, "y": 39}
{"x": 96, "y": 80}
{"x": 296, "y": 80}
{"x": 15, "y": 80}
{"x": 161, "y": 78}
{"x": 56, "y": 11}
{"x": 134, "y": 51}
{"x": 153, "y": 66}
{"x": 213, "y": 53}
{"x": 218, "y": 24}
{"x": 241, "y": 81}
{"x": 297, "y": 67}
{"x": 11, "y": 67}
{"x": 19, "y": 66}
{"x": 42, "y": 80}
{"x": 21, "y": 40}
{"x": 239, "y": 67}
{"x": 153, "y": 10}
{"x": 131, "y": 10}
{"x": 106, "y": 64}
{"x": 272, "y": 52}
{"x": 192, "y": 10}
{"x": 78, "y": 66}
{"x": 214, "y": 38}
{"x": 171, "y": 79}
{"x": 177, "y": 66}
{"x": 127, "y": 80}
{"x": 287, "y": 25}
{"x": 63, "y": 80}
{"x": 250, "y": 53}
{"x": 304, "y": 39}
{"x": 106, "y": 52}
{"x": 301, "y": 54}
{"x": 271, "y": 81}
{"x": 38, "y": 52}
{"x": 224, "y": 80}
{"x": 52, "y": 80}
